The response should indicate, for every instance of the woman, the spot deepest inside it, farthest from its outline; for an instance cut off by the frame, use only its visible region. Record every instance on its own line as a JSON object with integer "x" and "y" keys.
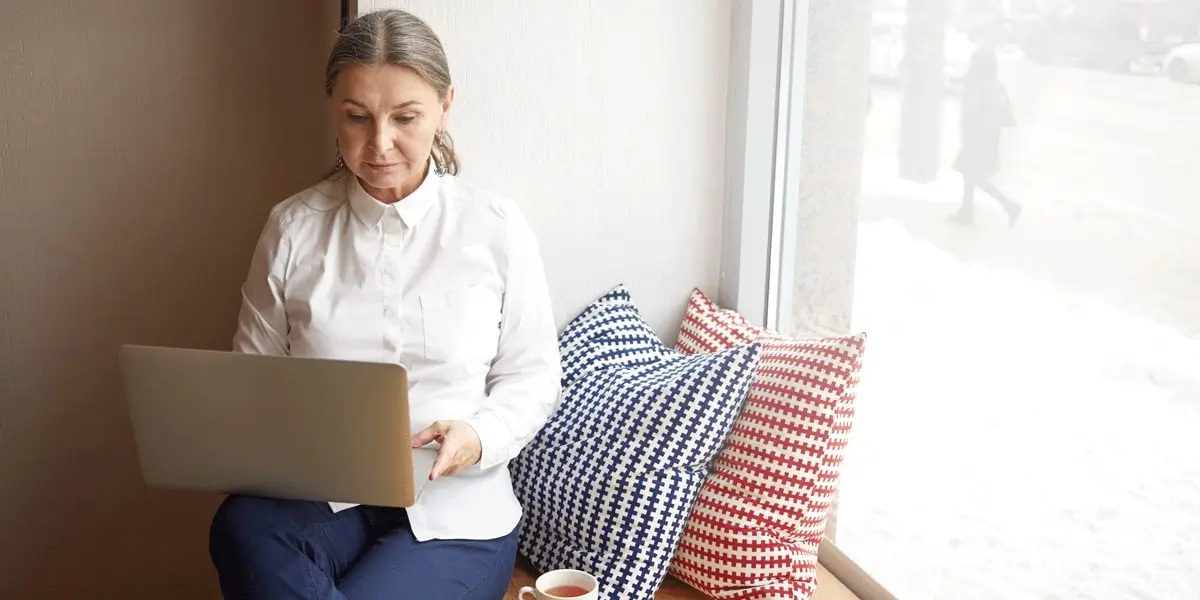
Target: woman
{"x": 985, "y": 114}
{"x": 393, "y": 259}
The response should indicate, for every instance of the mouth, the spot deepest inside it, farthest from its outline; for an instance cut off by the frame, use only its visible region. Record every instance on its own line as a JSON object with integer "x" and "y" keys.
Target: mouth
{"x": 381, "y": 166}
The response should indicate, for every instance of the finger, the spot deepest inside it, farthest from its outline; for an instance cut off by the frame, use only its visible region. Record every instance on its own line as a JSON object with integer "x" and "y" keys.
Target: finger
{"x": 433, "y": 432}
{"x": 455, "y": 462}
{"x": 443, "y": 462}
{"x": 423, "y": 438}
{"x": 449, "y": 456}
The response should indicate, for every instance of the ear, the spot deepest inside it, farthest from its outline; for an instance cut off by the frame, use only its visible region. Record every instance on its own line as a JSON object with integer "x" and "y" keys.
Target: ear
{"x": 447, "y": 102}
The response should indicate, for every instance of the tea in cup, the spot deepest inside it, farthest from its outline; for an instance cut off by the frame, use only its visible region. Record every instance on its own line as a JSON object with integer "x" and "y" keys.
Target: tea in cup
{"x": 563, "y": 584}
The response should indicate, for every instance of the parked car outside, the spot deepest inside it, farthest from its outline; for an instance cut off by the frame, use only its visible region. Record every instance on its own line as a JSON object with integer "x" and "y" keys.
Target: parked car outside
{"x": 1114, "y": 35}
{"x": 1182, "y": 63}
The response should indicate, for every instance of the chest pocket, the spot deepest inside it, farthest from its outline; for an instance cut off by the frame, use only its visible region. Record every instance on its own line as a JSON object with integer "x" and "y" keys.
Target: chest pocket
{"x": 461, "y": 324}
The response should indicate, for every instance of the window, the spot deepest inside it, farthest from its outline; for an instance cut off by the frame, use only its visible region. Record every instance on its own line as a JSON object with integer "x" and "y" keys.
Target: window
{"x": 1026, "y": 421}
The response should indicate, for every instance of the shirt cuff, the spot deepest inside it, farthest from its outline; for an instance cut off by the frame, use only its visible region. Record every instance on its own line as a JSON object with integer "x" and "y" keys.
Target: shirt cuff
{"x": 493, "y": 437}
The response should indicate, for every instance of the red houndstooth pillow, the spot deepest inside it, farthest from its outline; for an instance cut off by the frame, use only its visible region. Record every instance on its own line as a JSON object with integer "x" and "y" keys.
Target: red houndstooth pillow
{"x": 755, "y": 528}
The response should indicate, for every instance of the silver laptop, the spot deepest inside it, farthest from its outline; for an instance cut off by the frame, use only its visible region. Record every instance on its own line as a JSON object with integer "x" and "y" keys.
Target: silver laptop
{"x": 284, "y": 427}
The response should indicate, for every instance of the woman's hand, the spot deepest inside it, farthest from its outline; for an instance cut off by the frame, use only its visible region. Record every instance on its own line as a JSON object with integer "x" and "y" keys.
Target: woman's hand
{"x": 459, "y": 446}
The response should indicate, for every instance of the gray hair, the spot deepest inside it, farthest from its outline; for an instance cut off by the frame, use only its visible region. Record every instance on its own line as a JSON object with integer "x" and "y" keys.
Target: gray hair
{"x": 396, "y": 38}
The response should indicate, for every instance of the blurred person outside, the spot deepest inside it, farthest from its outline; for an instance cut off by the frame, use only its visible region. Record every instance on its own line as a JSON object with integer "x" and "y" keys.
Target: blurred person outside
{"x": 985, "y": 114}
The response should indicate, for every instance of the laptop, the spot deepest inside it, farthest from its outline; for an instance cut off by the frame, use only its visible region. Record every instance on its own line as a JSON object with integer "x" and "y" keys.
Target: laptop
{"x": 283, "y": 427}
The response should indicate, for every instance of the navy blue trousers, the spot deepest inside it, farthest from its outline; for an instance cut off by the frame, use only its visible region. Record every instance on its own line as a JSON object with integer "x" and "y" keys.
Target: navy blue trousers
{"x": 270, "y": 549}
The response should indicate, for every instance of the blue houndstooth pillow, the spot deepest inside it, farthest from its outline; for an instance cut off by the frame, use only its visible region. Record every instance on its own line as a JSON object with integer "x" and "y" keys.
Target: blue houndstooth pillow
{"x": 608, "y": 483}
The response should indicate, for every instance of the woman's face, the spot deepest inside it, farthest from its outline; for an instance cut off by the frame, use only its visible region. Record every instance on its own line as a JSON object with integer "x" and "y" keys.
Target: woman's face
{"x": 386, "y": 119}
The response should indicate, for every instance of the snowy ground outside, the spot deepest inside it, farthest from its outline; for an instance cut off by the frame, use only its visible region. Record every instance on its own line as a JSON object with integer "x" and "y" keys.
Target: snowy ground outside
{"x": 1029, "y": 416}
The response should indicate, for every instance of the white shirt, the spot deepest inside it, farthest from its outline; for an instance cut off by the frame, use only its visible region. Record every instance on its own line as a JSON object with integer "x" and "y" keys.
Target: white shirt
{"x": 447, "y": 282}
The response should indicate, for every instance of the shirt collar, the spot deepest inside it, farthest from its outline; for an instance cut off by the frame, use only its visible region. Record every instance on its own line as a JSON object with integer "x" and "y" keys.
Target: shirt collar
{"x": 410, "y": 210}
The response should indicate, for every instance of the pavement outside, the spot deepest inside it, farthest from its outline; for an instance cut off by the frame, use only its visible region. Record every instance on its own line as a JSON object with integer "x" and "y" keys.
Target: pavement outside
{"x": 1107, "y": 167}
{"x": 1026, "y": 421}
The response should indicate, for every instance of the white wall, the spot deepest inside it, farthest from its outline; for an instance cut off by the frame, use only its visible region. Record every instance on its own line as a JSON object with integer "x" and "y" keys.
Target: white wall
{"x": 606, "y": 122}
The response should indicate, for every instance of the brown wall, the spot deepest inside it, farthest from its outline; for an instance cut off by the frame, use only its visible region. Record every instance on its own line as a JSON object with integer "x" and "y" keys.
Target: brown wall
{"x": 141, "y": 145}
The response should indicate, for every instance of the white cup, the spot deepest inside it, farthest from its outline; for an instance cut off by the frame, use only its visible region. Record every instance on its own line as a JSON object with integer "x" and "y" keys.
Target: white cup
{"x": 554, "y": 580}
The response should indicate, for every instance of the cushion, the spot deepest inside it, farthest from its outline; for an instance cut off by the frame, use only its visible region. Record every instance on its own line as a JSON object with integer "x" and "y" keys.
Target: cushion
{"x": 608, "y": 482}
{"x": 760, "y": 516}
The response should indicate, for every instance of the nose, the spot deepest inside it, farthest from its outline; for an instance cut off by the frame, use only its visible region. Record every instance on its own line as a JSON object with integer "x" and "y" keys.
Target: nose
{"x": 381, "y": 141}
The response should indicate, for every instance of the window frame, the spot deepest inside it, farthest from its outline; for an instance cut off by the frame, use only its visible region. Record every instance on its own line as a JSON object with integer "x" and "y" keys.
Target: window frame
{"x": 764, "y": 128}
{"x": 766, "y": 102}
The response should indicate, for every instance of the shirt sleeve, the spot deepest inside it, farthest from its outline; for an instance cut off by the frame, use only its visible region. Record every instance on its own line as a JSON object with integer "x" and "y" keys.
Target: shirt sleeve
{"x": 262, "y": 322}
{"x": 525, "y": 379}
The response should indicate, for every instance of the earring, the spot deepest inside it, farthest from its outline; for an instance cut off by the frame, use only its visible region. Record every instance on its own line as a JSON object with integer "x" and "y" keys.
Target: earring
{"x": 339, "y": 163}
{"x": 438, "y": 165}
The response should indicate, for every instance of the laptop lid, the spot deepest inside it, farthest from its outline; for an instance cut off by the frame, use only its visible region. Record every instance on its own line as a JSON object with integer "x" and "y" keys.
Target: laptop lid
{"x": 286, "y": 427}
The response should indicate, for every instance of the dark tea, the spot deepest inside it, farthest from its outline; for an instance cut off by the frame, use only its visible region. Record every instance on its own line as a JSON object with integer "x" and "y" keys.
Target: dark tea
{"x": 566, "y": 591}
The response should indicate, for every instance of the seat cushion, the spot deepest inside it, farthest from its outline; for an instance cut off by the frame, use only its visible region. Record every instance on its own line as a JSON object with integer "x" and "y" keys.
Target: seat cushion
{"x": 608, "y": 482}
{"x": 760, "y": 516}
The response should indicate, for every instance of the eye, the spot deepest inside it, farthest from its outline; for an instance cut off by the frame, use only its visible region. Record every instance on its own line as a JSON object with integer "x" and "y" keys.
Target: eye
{"x": 406, "y": 119}
{"x": 357, "y": 117}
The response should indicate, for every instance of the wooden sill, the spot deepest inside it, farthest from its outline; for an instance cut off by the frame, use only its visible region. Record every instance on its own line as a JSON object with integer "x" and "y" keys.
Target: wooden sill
{"x": 847, "y": 572}
{"x": 838, "y": 578}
